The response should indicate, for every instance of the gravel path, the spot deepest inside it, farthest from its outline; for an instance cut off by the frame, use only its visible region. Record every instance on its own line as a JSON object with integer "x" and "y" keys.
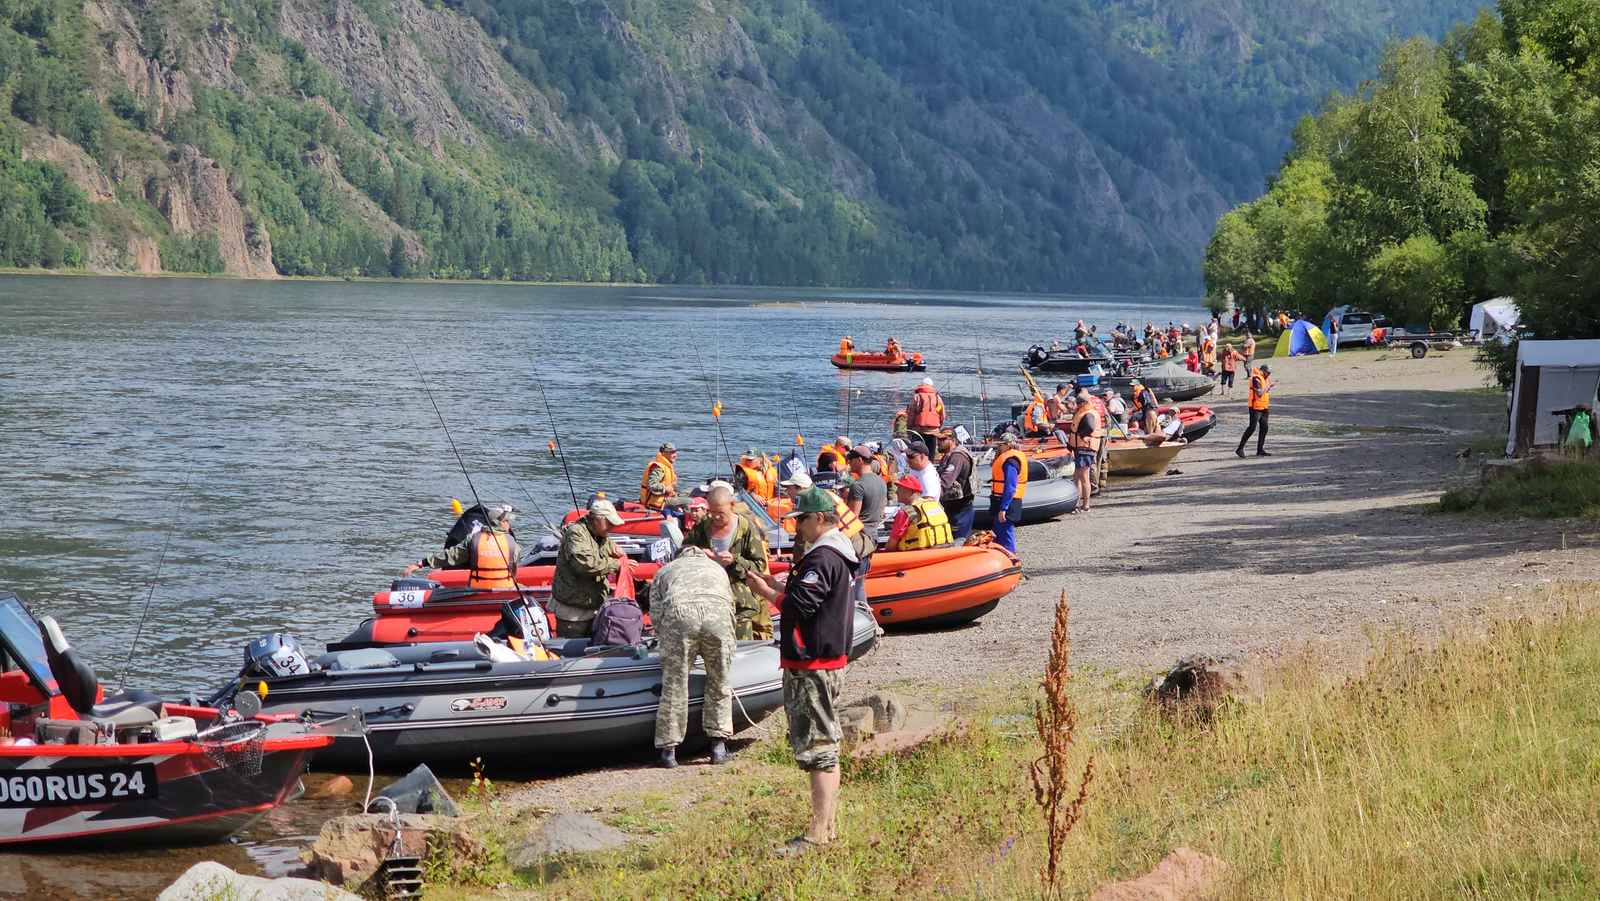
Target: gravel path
{"x": 1246, "y": 558}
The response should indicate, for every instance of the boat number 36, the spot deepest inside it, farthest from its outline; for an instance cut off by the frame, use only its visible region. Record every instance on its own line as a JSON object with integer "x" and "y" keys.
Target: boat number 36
{"x": 89, "y": 785}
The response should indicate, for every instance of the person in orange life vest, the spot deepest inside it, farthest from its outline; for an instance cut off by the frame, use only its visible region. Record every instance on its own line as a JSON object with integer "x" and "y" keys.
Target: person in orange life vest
{"x": 1144, "y": 408}
{"x": 926, "y": 412}
{"x": 490, "y": 552}
{"x": 1008, "y": 482}
{"x": 831, "y": 457}
{"x": 1085, "y": 436}
{"x": 756, "y": 474}
{"x": 891, "y": 347}
{"x": 1260, "y": 401}
{"x": 658, "y": 487}
{"x": 847, "y": 346}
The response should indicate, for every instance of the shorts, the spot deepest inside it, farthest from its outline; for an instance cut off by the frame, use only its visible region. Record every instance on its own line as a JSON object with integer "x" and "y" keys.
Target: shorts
{"x": 1227, "y": 378}
{"x": 1083, "y": 459}
{"x": 809, "y": 696}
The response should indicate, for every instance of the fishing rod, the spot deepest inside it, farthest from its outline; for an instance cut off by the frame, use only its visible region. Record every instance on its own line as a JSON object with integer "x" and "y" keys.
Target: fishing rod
{"x": 849, "y": 385}
{"x": 555, "y": 442}
{"x": 716, "y": 406}
{"x": 983, "y": 390}
{"x": 155, "y": 580}
{"x": 443, "y": 425}
{"x": 533, "y": 503}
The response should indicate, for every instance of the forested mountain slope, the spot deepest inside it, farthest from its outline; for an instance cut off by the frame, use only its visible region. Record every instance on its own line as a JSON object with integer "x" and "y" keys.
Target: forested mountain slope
{"x": 1018, "y": 144}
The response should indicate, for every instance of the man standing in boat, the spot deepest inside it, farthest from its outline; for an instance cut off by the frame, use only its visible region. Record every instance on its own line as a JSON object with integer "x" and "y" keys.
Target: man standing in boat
{"x": 692, "y": 606}
{"x": 1008, "y": 482}
{"x": 586, "y": 560}
{"x": 489, "y": 552}
{"x": 814, "y": 650}
{"x": 734, "y": 542}
{"x": 955, "y": 483}
{"x": 926, "y": 412}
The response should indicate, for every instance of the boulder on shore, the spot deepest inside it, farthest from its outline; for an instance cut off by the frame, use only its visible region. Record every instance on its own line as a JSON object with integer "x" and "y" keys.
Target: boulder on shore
{"x": 1195, "y": 689}
{"x": 350, "y": 849}
{"x": 873, "y": 714}
{"x": 565, "y": 833}
{"x": 208, "y": 880}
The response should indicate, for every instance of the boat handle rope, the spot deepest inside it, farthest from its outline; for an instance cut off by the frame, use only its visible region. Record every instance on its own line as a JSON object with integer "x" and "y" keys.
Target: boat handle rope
{"x": 554, "y": 699}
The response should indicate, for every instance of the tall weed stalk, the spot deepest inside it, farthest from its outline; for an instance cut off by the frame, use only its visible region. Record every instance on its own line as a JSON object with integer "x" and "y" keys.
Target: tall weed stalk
{"x": 1055, "y": 718}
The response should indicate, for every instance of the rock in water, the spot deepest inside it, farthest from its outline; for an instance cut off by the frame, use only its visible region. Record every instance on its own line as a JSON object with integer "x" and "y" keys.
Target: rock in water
{"x": 418, "y": 792}
{"x": 565, "y": 833}
{"x": 208, "y": 880}
{"x": 1180, "y": 876}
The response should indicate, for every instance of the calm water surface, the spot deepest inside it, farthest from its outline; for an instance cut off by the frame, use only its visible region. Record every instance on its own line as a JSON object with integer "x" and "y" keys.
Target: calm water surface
{"x": 284, "y": 430}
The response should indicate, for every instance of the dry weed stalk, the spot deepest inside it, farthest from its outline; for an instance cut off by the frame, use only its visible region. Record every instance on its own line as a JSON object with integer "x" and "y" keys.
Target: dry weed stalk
{"x": 1056, "y": 719}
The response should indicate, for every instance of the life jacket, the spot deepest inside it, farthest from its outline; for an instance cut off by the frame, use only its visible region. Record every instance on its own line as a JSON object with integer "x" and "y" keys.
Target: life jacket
{"x": 846, "y": 346}
{"x": 1034, "y": 419}
{"x": 997, "y": 474}
{"x": 1092, "y": 443}
{"x": 897, "y": 425}
{"x": 650, "y": 501}
{"x": 493, "y": 560}
{"x": 892, "y": 349}
{"x": 830, "y": 458}
{"x": 1260, "y": 398}
{"x": 886, "y": 462}
{"x": 1144, "y": 399}
{"x": 926, "y": 409}
{"x": 933, "y": 527}
{"x": 849, "y": 523}
{"x": 769, "y": 469}
{"x": 755, "y": 479}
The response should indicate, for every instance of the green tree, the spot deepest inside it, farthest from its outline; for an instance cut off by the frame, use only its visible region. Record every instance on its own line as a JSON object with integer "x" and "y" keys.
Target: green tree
{"x": 1417, "y": 282}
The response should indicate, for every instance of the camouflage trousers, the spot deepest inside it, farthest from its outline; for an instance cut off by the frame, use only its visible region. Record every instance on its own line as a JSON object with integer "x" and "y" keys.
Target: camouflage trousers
{"x": 752, "y": 616}
{"x": 684, "y": 631}
{"x": 809, "y": 697}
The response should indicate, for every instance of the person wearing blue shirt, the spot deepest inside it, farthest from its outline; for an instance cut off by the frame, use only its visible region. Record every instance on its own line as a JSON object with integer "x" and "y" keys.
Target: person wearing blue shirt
{"x": 1008, "y": 483}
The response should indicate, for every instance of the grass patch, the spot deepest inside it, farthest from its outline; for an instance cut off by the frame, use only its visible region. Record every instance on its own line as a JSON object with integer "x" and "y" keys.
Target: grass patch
{"x": 1539, "y": 490}
{"x": 1464, "y": 769}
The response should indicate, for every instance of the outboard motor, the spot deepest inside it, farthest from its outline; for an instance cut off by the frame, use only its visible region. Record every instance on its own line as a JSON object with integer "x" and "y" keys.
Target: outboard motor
{"x": 275, "y": 656}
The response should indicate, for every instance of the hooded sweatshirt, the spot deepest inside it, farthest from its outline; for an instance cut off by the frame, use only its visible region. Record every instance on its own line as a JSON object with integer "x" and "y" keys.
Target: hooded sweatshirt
{"x": 815, "y": 612}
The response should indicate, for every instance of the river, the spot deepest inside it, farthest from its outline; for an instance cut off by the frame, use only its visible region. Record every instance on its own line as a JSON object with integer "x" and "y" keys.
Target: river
{"x": 270, "y": 450}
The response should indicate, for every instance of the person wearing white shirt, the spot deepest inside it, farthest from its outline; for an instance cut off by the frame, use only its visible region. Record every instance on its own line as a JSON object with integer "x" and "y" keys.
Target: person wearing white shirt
{"x": 921, "y": 466}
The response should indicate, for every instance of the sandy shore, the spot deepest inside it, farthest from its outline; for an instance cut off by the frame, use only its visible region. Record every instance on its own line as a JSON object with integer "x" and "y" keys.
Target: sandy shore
{"x": 1323, "y": 542}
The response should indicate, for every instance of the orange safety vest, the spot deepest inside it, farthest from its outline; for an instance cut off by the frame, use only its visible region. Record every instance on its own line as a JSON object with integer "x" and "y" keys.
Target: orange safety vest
{"x": 830, "y": 457}
{"x": 657, "y": 502}
{"x": 1034, "y": 419}
{"x": 493, "y": 557}
{"x": 1094, "y": 439}
{"x": 849, "y": 523}
{"x": 846, "y": 346}
{"x": 755, "y": 479}
{"x": 1260, "y": 397}
{"x": 997, "y": 474}
{"x": 926, "y": 410}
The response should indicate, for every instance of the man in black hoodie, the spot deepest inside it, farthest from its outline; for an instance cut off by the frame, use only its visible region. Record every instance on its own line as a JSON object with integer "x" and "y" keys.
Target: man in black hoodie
{"x": 816, "y": 624}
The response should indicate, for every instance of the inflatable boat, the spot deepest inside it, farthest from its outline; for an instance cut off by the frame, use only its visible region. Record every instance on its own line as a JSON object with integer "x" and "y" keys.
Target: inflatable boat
{"x": 451, "y": 702}
{"x": 1044, "y": 500}
{"x": 81, "y": 768}
{"x": 879, "y": 362}
{"x": 1136, "y": 457}
{"x": 1197, "y": 420}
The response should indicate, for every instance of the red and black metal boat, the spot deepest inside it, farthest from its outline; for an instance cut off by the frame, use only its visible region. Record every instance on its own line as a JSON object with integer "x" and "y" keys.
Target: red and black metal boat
{"x": 78, "y": 767}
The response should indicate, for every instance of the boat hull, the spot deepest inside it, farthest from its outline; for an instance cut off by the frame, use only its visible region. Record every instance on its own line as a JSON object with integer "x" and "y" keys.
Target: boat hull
{"x": 1129, "y": 460}
{"x": 182, "y": 795}
{"x": 877, "y": 362}
{"x": 1044, "y": 501}
{"x": 939, "y": 587}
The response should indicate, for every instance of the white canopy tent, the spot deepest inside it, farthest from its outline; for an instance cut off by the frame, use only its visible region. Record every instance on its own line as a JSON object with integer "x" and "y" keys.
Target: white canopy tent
{"x": 1551, "y": 375}
{"x": 1492, "y": 318}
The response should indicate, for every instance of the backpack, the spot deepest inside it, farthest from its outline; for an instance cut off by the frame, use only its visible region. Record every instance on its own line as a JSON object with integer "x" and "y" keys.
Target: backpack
{"x": 619, "y": 622}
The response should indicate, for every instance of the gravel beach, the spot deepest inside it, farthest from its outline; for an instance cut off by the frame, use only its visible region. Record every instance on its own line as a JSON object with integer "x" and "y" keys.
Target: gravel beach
{"x": 1321, "y": 543}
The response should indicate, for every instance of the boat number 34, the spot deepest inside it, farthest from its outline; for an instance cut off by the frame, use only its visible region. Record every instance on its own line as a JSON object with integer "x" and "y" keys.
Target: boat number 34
{"x": 88, "y": 785}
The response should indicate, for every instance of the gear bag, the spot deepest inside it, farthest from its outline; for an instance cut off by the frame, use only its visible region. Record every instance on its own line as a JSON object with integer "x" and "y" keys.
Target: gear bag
{"x": 619, "y": 622}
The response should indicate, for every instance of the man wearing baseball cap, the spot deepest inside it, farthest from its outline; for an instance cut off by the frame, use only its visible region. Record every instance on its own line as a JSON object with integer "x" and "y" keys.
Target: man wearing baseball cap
{"x": 585, "y": 562}
{"x": 920, "y": 523}
{"x": 658, "y": 486}
{"x": 814, "y": 649}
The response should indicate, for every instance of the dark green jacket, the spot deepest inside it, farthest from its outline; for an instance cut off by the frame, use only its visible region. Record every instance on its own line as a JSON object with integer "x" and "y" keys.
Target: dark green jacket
{"x": 582, "y": 566}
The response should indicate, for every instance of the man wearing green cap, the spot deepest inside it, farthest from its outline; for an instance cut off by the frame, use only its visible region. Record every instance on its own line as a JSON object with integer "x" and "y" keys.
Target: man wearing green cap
{"x": 815, "y": 616}
{"x": 658, "y": 487}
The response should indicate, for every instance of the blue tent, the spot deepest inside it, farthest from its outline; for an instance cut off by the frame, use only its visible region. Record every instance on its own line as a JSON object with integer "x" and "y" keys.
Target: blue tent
{"x": 1301, "y": 338}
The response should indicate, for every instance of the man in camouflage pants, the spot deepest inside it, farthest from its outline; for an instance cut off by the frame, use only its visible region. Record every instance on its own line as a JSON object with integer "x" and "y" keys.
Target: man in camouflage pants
{"x": 691, "y": 604}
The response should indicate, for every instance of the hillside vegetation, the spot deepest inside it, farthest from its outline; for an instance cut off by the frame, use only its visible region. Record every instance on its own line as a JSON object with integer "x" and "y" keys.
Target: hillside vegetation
{"x": 1461, "y": 171}
{"x": 1032, "y": 144}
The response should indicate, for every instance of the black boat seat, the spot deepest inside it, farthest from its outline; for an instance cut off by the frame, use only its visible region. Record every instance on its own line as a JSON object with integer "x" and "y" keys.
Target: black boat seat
{"x": 73, "y": 675}
{"x": 567, "y": 647}
{"x": 127, "y": 708}
{"x": 363, "y": 658}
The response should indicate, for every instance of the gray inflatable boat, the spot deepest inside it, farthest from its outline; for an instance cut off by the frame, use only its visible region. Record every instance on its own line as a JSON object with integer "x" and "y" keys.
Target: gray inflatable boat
{"x": 448, "y": 702}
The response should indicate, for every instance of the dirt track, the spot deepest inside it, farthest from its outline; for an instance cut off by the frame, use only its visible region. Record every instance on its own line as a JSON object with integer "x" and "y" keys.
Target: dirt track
{"x": 1245, "y": 558}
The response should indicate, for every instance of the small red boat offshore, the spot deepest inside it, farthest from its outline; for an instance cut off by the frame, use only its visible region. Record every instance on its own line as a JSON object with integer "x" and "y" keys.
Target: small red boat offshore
{"x": 891, "y": 359}
{"x": 77, "y": 766}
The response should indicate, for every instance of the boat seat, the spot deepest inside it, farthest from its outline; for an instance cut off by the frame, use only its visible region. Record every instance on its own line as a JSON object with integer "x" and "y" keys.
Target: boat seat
{"x": 360, "y": 659}
{"x": 127, "y": 708}
{"x": 74, "y": 676}
{"x": 567, "y": 647}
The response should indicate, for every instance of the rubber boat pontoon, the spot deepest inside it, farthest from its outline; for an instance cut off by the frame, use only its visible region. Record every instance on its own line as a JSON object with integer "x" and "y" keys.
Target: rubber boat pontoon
{"x": 82, "y": 768}
{"x": 458, "y": 700}
{"x": 879, "y": 362}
